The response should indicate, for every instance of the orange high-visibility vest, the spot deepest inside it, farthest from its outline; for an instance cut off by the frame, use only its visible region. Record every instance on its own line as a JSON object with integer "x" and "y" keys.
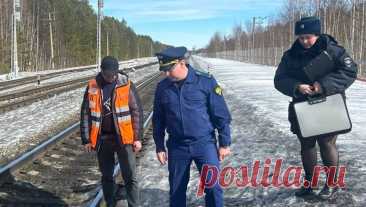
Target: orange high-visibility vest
{"x": 121, "y": 112}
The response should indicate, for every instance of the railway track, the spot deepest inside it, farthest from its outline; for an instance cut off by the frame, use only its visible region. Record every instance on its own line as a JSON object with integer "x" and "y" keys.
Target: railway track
{"x": 33, "y": 79}
{"x": 29, "y": 95}
{"x": 58, "y": 172}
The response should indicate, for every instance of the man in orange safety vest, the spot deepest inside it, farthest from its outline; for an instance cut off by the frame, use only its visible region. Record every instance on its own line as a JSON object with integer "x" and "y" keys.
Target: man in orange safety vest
{"x": 112, "y": 122}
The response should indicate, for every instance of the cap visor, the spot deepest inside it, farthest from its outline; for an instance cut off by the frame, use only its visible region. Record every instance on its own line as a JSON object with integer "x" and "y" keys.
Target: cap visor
{"x": 165, "y": 68}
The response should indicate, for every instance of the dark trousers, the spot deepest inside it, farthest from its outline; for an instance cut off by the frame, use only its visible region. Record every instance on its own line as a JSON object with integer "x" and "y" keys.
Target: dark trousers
{"x": 180, "y": 158}
{"x": 328, "y": 153}
{"x": 127, "y": 163}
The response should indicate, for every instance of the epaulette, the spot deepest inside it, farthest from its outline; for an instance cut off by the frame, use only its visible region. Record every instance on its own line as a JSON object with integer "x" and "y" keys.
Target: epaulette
{"x": 203, "y": 73}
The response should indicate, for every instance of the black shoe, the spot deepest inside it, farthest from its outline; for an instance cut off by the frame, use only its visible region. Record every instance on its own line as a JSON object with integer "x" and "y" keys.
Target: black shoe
{"x": 121, "y": 193}
{"x": 326, "y": 192}
{"x": 112, "y": 204}
{"x": 304, "y": 192}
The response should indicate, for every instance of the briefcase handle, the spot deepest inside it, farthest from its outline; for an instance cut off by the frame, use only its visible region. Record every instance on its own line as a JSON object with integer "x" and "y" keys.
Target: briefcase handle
{"x": 315, "y": 99}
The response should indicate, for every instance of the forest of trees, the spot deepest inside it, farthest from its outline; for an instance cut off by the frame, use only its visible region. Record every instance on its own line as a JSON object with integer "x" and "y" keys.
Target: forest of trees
{"x": 264, "y": 39}
{"x": 73, "y": 25}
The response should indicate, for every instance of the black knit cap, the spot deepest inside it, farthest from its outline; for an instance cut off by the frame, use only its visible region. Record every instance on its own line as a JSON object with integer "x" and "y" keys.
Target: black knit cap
{"x": 109, "y": 64}
{"x": 308, "y": 25}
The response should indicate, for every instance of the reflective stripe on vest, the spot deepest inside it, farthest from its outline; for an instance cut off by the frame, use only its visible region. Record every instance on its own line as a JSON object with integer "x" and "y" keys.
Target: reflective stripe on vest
{"x": 95, "y": 106}
{"x": 122, "y": 112}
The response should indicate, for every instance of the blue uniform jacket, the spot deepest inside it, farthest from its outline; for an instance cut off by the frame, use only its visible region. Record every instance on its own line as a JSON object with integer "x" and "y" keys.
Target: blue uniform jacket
{"x": 190, "y": 113}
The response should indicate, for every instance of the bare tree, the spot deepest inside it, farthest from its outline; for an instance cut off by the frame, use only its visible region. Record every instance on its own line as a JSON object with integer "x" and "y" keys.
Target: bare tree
{"x": 343, "y": 19}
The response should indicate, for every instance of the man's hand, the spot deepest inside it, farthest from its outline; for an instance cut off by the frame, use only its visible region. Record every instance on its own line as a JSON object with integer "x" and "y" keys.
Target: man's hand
{"x": 162, "y": 157}
{"x": 137, "y": 146}
{"x": 305, "y": 89}
{"x": 317, "y": 88}
{"x": 88, "y": 147}
{"x": 223, "y": 152}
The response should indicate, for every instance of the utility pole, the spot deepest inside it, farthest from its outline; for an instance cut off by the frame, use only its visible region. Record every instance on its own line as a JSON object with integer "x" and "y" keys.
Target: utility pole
{"x": 99, "y": 23}
{"x": 50, "y": 19}
{"x": 138, "y": 48}
{"x": 253, "y": 33}
{"x": 253, "y": 30}
{"x": 107, "y": 43}
{"x": 151, "y": 49}
{"x": 14, "y": 54}
{"x": 225, "y": 54}
{"x": 37, "y": 40}
{"x": 362, "y": 35}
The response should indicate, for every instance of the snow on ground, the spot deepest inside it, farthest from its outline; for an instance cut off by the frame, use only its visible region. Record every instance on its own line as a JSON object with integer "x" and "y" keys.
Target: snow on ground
{"x": 27, "y": 126}
{"x": 260, "y": 130}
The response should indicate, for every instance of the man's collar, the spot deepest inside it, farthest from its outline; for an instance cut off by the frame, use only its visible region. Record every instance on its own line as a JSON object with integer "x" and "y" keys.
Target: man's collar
{"x": 191, "y": 74}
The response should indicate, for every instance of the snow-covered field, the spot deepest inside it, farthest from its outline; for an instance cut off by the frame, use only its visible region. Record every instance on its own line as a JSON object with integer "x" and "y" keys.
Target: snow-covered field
{"x": 27, "y": 126}
{"x": 260, "y": 130}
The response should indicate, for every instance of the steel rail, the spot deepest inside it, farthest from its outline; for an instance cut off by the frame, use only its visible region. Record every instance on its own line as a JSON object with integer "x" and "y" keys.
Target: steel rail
{"x": 33, "y": 79}
{"x": 29, "y": 156}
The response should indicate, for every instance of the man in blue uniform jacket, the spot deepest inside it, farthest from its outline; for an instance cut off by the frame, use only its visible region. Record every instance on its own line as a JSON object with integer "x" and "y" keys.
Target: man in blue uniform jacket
{"x": 189, "y": 105}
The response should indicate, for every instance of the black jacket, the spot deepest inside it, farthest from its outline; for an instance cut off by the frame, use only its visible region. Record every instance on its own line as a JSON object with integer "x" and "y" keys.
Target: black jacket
{"x": 290, "y": 71}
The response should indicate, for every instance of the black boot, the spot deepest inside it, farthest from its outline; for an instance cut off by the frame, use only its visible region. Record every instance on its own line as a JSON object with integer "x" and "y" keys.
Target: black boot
{"x": 109, "y": 193}
{"x": 302, "y": 192}
{"x": 112, "y": 203}
{"x": 327, "y": 192}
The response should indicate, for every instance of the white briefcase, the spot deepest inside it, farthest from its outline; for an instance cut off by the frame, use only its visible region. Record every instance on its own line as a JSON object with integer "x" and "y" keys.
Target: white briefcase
{"x": 323, "y": 116}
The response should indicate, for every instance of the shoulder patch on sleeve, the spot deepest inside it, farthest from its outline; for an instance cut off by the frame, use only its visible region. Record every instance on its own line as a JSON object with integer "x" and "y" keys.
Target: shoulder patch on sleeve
{"x": 218, "y": 90}
{"x": 203, "y": 73}
{"x": 348, "y": 61}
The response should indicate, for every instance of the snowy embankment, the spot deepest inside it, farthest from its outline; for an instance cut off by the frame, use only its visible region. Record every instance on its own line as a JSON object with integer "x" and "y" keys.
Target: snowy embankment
{"x": 25, "y": 127}
{"x": 260, "y": 130}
